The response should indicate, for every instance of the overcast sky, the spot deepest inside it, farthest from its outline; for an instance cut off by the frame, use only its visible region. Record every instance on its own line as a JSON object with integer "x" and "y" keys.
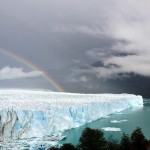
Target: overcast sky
{"x": 91, "y": 46}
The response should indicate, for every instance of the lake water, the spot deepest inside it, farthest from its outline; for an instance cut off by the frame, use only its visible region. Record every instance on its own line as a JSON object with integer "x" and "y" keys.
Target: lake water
{"x": 115, "y": 124}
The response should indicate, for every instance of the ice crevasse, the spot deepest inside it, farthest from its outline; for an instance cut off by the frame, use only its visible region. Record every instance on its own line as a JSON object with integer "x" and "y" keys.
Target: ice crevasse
{"x": 28, "y": 114}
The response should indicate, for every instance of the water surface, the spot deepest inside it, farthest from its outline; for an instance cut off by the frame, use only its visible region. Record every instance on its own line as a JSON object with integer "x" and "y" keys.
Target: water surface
{"x": 116, "y": 124}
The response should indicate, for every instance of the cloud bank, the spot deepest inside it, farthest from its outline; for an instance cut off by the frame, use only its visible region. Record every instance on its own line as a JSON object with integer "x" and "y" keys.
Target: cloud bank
{"x": 17, "y": 73}
{"x": 79, "y": 43}
{"x": 128, "y": 24}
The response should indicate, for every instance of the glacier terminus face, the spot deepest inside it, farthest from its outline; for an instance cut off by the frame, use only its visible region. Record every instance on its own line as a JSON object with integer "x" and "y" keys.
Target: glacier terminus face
{"x": 26, "y": 114}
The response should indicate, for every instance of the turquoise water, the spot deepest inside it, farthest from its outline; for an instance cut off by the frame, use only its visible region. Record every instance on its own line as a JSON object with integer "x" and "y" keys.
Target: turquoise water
{"x": 126, "y": 121}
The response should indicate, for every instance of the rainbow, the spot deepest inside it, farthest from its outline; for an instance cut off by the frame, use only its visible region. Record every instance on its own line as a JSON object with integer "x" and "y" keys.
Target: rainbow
{"x": 33, "y": 67}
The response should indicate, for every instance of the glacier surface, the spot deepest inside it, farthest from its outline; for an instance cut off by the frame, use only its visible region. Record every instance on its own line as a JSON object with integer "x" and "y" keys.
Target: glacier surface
{"x": 28, "y": 114}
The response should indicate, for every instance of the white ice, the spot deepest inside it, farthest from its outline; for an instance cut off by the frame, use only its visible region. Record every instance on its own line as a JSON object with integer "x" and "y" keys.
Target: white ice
{"x": 111, "y": 129}
{"x": 29, "y": 114}
{"x": 118, "y": 121}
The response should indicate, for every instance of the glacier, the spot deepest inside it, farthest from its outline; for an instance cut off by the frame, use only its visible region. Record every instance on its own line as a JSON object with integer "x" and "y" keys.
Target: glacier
{"x": 26, "y": 114}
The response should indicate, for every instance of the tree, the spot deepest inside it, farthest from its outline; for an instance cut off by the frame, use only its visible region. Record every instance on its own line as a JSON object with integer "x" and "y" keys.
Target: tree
{"x": 138, "y": 140}
{"x": 92, "y": 139}
{"x": 54, "y": 148}
{"x": 125, "y": 143}
{"x": 112, "y": 144}
{"x": 68, "y": 147}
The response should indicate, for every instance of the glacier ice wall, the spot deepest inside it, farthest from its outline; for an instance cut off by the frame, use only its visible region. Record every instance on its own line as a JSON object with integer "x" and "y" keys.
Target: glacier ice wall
{"x": 28, "y": 114}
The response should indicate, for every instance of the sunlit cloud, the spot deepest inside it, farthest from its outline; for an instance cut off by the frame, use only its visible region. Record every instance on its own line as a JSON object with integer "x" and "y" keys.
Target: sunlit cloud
{"x": 16, "y": 73}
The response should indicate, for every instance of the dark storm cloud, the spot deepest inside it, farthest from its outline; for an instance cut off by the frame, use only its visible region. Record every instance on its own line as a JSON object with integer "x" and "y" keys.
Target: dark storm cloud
{"x": 81, "y": 42}
{"x": 57, "y": 31}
